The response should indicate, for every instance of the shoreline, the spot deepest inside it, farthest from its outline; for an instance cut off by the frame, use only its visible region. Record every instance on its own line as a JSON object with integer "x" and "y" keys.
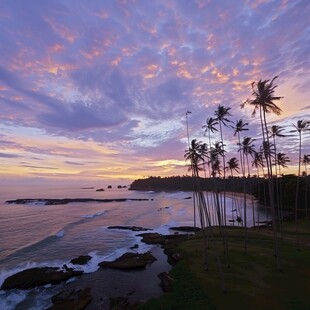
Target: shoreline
{"x": 136, "y": 285}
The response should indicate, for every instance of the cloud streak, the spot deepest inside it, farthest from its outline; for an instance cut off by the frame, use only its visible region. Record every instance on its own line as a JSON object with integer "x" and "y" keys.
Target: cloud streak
{"x": 120, "y": 75}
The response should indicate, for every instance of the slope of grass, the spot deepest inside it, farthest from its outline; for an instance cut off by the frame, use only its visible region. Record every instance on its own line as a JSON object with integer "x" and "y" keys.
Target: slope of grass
{"x": 248, "y": 280}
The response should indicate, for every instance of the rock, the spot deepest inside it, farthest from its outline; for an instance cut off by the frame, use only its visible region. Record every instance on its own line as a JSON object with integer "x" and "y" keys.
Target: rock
{"x": 34, "y": 277}
{"x": 130, "y": 261}
{"x": 176, "y": 257}
{"x": 81, "y": 260}
{"x": 186, "y": 228}
{"x": 110, "y": 186}
{"x": 133, "y": 228}
{"x": 69, "y": 200}
{"x": 189, "y": 197}
{"x": 166, "y": 281}
{"x": 77, "y": 299}
{"x": 119, "y": 303}
{"x": 100, "y": 190}
{"x": 134, "y": 246}
{"x": 169, "y": 244}
{"x": 152, "y": 238}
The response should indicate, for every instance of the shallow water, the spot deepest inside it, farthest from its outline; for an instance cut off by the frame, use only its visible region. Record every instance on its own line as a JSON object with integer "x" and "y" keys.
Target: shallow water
{"x": 51, "y": 235}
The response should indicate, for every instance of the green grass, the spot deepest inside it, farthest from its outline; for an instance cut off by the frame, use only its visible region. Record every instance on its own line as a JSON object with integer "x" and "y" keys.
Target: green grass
{"x": 250, "y": 281}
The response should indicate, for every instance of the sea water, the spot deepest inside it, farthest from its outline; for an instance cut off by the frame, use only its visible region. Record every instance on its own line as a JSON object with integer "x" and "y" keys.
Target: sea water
{"x": 35, "y": 234}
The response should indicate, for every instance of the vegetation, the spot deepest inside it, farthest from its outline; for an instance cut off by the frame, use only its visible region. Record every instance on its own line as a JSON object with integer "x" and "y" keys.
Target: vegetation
{"x": 251, "y": 281}
{"x": 216, "y": 258}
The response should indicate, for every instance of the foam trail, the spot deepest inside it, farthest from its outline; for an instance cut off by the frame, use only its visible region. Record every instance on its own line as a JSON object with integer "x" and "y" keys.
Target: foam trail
{"x": 93, "y": 215}
{"x": 60, "y": 234}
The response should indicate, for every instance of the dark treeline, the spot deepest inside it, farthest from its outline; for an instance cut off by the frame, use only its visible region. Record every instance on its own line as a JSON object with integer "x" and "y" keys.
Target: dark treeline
{"x": 187, "y": 183}
{"x": 255, "y": 186}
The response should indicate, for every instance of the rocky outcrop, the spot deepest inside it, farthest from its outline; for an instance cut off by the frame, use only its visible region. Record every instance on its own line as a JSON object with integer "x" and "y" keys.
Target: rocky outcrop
{"x": 130, "y": 261}
{"x": 69, "y": 200}
{"x": 71, "y": 299}
{"x": 186, "y": 228}
{"x": 81, "y": 260}
{"x": 166, "y": 281}
{"x": 169, "y": 244}
{"x": 133, "y": 228}
{"x": 34, "y": 277}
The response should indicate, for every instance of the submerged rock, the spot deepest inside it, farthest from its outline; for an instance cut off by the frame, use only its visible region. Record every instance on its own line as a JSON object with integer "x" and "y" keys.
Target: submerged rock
{"x": 77, "y": 299}
{"x": 130, "y": 261}
{"x": 119, "y": 303}
{"x": 81, "y": 260}
{"x": 69, "y": 200}
{"x": 133, "y": 228}
{"x": 186, "y": 228}
{"x": 166, "y": 281}
{"x": 34, "y": 277}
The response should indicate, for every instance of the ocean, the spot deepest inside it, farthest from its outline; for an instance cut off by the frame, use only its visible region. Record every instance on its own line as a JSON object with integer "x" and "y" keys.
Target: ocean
{"x": 35, "y": 234}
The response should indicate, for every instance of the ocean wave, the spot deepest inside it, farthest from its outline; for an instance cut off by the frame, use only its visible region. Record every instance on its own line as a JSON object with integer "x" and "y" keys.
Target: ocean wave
{"x": 93, "y": 215}
{"x": 178, "y": 195}
{"x": 60, "y": 234}
{"x": 10, "y": 299}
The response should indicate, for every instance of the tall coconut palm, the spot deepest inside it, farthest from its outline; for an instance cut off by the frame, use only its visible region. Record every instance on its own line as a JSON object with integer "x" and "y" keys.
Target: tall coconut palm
{"x": 238, "y": 127}
{"x": 258, "y": 161}
{"x": 210, "y": 127}
{"x": 247, "y": 148}
{"x": 222, "y": 114}
{"x": 194, "y": 155}
{"x": 306, "y": 161}
{"x": 282, "y": 160}
{"x": 233, "y": 165}
{"x": 263, "y": 93}
{"x": 301, "y": 126}
{"x": 275, "y": 131}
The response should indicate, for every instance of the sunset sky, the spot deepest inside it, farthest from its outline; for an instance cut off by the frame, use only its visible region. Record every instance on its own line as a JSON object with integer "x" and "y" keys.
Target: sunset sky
{"x": 97, "y": 91}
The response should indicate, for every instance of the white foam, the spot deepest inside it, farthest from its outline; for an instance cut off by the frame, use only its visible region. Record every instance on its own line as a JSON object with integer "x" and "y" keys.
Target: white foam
{"x": 60, "y": 234}
{"x": 93, "y": 215}
{"x": 179, "y": 195}
{"x": 10, "y": 299}
{"x": 39, "y": 203}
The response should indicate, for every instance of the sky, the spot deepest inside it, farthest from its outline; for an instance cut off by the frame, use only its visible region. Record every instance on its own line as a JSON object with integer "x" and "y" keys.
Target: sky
{"x": 97, "y": 91}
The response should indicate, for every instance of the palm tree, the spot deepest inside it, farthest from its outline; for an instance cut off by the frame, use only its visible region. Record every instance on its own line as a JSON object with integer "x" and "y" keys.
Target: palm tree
{"x": 301, "y": 126}
{"x": 232, "y": 165}
{"x": 282, "y": 160}
{"x": 193, "y": 154}
{"x": 264, "y": 98}
{"x": 240, "y": 126}
{"x": 258, "y": 161}
{"x": 263, "y": 92}
{"x": 210, "y": 127}
{"x": 247, "y": 148}
{"x": 306, "y": 161}
{"x": 275, "y": 131}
